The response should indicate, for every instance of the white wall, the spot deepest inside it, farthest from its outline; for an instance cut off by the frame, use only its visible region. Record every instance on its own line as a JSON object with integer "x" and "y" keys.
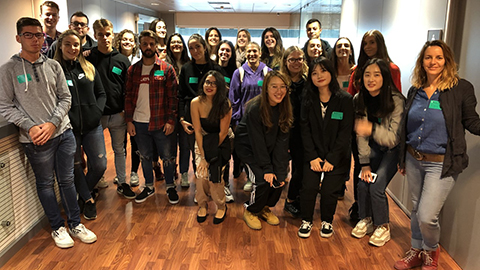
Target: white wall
{"x": 232, "y": 20}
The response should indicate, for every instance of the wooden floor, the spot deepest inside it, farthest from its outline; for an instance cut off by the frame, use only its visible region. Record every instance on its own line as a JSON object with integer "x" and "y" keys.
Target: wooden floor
{"x": 157, "y": 235}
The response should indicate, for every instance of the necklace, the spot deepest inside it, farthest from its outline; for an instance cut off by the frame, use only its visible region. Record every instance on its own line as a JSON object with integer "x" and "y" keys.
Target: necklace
{"x": 200, "y": 70}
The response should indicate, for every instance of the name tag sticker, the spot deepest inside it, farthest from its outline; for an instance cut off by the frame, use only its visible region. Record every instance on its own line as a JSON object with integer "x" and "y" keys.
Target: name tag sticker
{"x": 193, "y": 80}
{"x": 227, "y": 80}
{"x": 21, "y": 78}
{"x": 434, "y": 104}
{"x": 159, "y": 73}
{"x": 260, "y": 83}
{"x": 70, "y": 82}
{"x": 337, "y": 115}
{"x": 345, "y": 84}
{"x": 116, "y": 70}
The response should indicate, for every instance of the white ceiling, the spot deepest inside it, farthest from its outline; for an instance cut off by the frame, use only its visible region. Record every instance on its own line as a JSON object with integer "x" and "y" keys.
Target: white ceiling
{"x": 241, "y": 6}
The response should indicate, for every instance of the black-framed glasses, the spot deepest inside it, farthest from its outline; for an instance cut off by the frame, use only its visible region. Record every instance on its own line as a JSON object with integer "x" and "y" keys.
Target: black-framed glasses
{"x": 79, "y": 24}
{"x": 293, "y": 60}
{"x": 29, "y": 35}
{"x": 209, "y": 83}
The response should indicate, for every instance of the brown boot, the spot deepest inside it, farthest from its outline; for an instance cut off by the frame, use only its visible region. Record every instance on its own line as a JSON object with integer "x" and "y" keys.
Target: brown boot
{"x": 252, "y": 220}
{"x": 269, "y": 217}
{"x": 413, "y": 258}
{"x": 430, "y": 259}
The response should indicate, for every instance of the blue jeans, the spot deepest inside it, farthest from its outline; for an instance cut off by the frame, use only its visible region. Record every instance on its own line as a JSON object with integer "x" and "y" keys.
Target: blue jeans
{"x": 429, "y": 193}
{"x": 166, "y": 148}
{"x": 372, "y": 200}
{"x": 93, "y": 144}
{"x": 55, "y": 158}
{"x": 117, "y": 127}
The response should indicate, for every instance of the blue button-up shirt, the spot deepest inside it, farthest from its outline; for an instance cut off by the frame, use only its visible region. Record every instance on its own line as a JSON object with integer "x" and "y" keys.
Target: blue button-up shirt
{"x": 426, "y": 129}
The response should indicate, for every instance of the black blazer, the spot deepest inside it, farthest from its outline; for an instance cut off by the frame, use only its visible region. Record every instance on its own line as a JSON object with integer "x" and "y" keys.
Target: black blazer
{"x": 328, "y": 138}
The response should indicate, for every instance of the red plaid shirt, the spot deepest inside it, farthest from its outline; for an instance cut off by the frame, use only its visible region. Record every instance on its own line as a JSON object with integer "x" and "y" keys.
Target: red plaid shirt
{"x": 162, "y": 94}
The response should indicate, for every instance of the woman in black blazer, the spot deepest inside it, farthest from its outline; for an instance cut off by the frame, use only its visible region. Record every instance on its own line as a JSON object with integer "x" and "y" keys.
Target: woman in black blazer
{"x": 327, "y": 123}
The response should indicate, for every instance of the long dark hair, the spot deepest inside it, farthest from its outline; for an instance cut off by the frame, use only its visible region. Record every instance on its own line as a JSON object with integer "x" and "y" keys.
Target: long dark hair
{"x": 285, "y": 121}
{"x": 277, "y": 51}
{"x": 210, "y": 49}
{"x": 351, "y": 57}
{"x": 232, "y": 62}
{"x": 305, "y": 50}
{"x": 311, "y": 90}
{"x": 386, "y": 91}
{"x": 382, "y": 53}
{"x": 220, "y": 102}
{"x": 183, "y": 57}
{"x": 202, "y": 41}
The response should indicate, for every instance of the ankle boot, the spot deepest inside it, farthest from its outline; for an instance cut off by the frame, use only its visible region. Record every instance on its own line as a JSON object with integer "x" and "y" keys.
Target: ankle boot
{"x": 430, "y": 259}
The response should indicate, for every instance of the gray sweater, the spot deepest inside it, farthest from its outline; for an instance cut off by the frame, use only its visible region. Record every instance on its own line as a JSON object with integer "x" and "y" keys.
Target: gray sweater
{"x": 33, "y": 94}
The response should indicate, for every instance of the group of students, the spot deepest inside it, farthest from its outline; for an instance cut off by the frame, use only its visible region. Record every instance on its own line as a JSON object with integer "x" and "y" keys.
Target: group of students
{"x": 264, "y": 104}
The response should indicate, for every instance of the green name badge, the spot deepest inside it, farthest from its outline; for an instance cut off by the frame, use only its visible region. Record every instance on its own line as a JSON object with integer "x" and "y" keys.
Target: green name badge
{"x": 158, "y": 73}
{"x": 70, "y": 82}
{"x": 193, "y": 80}
{"x": 434, "y": 104}
{"x": 21, "y": 78}
{"x": 116, "y": 70}
{"x": 345, "y": 84}
{"x": 337, "y": 115}
{"x": 227, "y": 80}
{"x": 260, "y": 83}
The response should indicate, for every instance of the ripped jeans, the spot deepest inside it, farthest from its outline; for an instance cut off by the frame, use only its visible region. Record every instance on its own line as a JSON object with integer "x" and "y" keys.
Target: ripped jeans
{"x": 93, "y": 144}
{"x": 166, "y": 147}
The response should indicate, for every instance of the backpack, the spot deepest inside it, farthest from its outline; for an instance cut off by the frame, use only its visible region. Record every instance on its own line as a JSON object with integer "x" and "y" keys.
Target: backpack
{"x": 241, "y": 72}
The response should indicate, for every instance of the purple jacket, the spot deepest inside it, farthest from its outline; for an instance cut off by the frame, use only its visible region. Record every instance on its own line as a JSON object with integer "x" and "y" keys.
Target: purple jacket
{"x": 241, "y": 92}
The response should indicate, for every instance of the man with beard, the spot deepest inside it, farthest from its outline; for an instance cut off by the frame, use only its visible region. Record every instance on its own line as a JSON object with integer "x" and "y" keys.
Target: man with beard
{"x": 79, "y": 23}
{"x": 112, "y": 67}
{"x": 150, "y": 112}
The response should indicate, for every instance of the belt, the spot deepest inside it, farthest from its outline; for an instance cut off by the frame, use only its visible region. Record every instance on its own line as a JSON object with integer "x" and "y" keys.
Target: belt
{"x": 424, "y": 156}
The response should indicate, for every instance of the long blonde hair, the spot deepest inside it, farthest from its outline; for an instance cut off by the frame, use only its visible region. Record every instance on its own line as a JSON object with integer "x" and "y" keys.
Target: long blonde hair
{"x": 283, "y": 65}
{"x": 449, "y": 76}
{"x": 87, "y": 67}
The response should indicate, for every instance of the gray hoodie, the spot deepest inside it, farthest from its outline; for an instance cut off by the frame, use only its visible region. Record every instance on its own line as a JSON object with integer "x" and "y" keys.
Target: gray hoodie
{"x": 33, "y": 94}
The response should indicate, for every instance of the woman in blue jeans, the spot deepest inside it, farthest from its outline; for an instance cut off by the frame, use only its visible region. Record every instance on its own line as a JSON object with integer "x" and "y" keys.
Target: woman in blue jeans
{"x": 88, "y": 101}
{"x": 440, "y": 106}
{"x": 379, "y": 109}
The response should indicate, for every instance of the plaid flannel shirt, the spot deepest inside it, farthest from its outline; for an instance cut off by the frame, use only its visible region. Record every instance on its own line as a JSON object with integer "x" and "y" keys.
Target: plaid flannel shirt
{"x": 162, "y": 94}
{"x": 48, "y": 41}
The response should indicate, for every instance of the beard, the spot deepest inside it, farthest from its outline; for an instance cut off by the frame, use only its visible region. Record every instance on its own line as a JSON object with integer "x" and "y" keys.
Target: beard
{"x": 148, "y": 54}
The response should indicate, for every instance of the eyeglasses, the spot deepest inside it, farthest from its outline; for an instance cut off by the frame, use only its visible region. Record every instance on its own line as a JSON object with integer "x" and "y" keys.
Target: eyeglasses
{"x": 209, "y": 83}
{"x": 78, "y": 24}
{"x": 29, "y": 35}
{"x": 293, "y": 60}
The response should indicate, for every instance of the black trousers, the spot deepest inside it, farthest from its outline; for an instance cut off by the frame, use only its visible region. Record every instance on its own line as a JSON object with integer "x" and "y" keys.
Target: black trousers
{"x": 329, "y": 190}
{"x": 296, "y": 152}
{"x": 262, "y": 194}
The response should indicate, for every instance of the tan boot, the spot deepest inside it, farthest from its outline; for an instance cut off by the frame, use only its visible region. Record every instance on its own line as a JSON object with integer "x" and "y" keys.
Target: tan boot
{"x": 269, "y": 217}
{"x": 252, "y": 220}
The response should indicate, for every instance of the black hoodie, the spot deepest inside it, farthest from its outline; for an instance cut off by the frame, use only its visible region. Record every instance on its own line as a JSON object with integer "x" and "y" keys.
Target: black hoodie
{"x": 88, "y": 98}
{"x": 112, "y": 68}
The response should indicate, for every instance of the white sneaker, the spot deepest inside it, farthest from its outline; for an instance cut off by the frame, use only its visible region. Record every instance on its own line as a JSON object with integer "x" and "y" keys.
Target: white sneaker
{"x": 363, "y": 227}
{"x": 102, "y": 183}
{"x": 134, "y": 181}
{"x": 248, "y": 186}
{"x": 380, "y": 236}
{"x": 84, "y": 234}
{"x": 184, "y": 181}
{"x": 228, "y": 195}
{"x": 62, "y": 238}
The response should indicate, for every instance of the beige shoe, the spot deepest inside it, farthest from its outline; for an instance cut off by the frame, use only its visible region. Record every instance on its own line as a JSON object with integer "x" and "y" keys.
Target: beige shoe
{"x": 363, "y": 227}
{"x": 252, "y": 220}
{"x": 269, "y": 217}
{"x": 380, "y": 236}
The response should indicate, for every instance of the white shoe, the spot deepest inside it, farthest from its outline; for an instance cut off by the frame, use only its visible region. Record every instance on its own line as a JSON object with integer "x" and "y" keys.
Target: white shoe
{"x": 380, "y": 236}
{"x": 248, "y": 186}
{"x": 84, "y": 234}
{"x": 363, "y": 227}
{"x": 102, "y": 183}
{"x": 184, "y": 181}
{"x": 228, "y": 195}
{"x": 62, "y": 238}
{"x": 134, "y": 181}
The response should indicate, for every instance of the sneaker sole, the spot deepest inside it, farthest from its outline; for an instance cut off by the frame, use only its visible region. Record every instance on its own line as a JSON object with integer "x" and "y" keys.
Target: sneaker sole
{"x": 89, "y": 218}
{"x": 380, "y": 244}
{"x": 93, "y": 240}
{"x": 304, "y": 235}
{"x": 134, "y": 184}
{"x": 173, "y": 202}
{"x": 325, "y": 235}
{"x": 359, "y": 236}
{"x": 64, "y": 245}
{"x": 144, "y": 199}
{"x": 185, "y": 185}
{"x": 229, "y": 200}
{"x": 127, "y": 197}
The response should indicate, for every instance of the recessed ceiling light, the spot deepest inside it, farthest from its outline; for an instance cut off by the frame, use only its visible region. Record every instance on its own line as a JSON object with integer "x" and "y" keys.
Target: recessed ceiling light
{"x": 154, "y": 4}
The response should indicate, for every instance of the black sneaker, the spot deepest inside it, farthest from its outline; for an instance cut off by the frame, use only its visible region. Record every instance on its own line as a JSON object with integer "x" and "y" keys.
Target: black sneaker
{"x": 353, "y": 212}
{"x": 125, "y": 190}
{"x": 305, "y": 229}
{"x": 172, "y": 195}
{"x": 146, "y": 192}
{"x": 327, "y": 229}
{"x": 90, "y": 210}
{"x": 292, "y": 208}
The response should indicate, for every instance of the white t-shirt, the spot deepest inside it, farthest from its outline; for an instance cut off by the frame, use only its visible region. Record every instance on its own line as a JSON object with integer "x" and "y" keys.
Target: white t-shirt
{"x": 142, "y": 108}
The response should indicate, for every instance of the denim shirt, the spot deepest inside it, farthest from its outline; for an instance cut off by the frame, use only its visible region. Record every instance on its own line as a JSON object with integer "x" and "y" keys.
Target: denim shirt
{"x": 426, "y": 129}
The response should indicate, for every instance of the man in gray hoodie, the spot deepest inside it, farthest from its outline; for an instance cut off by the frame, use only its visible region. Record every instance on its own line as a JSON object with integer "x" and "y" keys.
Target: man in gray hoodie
{"x": 34, "y": 96}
